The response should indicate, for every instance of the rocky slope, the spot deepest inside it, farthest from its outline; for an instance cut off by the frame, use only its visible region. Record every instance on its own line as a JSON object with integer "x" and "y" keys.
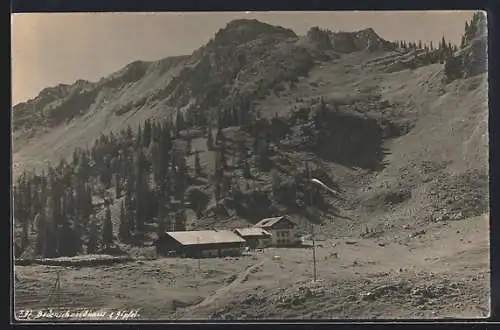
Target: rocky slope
{"x": 400, "y": 132}
{"x": 403, "y": 137}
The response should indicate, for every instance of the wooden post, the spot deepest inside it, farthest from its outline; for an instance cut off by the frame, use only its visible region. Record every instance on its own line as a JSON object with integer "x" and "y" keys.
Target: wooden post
{"x": 199, "y": 254}
{"x": 57, "y": 284}
{"x": 312, "y": 224}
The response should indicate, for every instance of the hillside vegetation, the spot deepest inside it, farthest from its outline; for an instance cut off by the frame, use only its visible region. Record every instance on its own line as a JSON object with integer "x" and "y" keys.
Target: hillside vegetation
{"x": 231, "y": 133}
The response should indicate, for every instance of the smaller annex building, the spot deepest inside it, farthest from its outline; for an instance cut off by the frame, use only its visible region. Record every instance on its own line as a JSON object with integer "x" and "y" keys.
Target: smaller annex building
{"x": 256, "y": 238}
{"x": 200, "y": 244}
{"x": 283, "y": 230}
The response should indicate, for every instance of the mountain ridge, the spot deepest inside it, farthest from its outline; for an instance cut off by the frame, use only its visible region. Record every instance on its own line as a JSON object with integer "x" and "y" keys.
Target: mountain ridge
{"x": 232, "y": 134}
{"x": 135, "y": 71}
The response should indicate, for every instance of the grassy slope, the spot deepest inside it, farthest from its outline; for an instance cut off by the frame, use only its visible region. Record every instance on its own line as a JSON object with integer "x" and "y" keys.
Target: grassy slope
{"x": 449, "y": 121}
{"x": 450, "y": 129}
{"x": 444, "y": 273}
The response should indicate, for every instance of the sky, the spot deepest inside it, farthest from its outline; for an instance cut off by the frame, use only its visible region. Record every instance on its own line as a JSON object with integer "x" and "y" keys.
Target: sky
{"x": 53, "y": 48}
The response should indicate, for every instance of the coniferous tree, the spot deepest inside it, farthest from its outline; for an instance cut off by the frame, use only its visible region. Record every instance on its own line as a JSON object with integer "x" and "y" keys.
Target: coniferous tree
{"x": 76, "y": 159}
{"x": 220, "y": 139}
{"x": 179, "y": 123}
{"x": 25, "y": 238}
{"x": 183, "y": 175}
{"x": 69, "y": 239}
{"x": 217, "y": 191}
{"x": 118, "y": 185}
{"x": 138, "y": 140}
{"x": 218, "y": 168}
{"x": 140, "y": 201}
{"x": 147, "y": 134}
{"x": 443, "y": 44}
{"x": 40, "y": 241}
{"x": 189, "y": 144}
{"x": 156, "y": 163}
{"x": 107, "y": 230}
{"x": 124, "y": 230}
{"x": 263, "y": 160}
{"x": 180, "y": 220}
{"x": 210, "y": 142}
{"x": 162, "y": 227}
{"x": 222, "y": 155}
{"x": 197, "y": 165}
{"x": 246, "y": 170}
{"x": 50, "y": 239}
{"x": 275, "y": 182}
{"x": 105, "y": 173}
{"x": 93, "y": 237}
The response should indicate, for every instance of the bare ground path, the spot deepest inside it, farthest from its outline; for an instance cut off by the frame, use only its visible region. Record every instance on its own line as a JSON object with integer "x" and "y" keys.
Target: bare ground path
{"x": 240, "y": 278}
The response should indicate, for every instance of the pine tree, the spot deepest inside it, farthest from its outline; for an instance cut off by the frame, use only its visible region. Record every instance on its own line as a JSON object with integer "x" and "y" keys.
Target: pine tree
{"x": 138, "y": 140}
{"x": 220, "y": 139}
{"x": 129, "y": 135}
{"x": 107, "y": 230}
{"x": 162, "y": 228}
{"x": 76, "y": 158}
{"x": 443, "y": 45}
{"x": 25, "y": 238}
{"x": 93, "y": 238}
{"x": 275, "y": 181}
{"x": 40, "y": 224}
{"x": 189, "y": 144}
{"x": 180, "y": 220}
{"x": 246, "y": 170}
{"x": 218, "y": 168}
{"x": 105, "y": 173}
{"x": 141, "y": 196}
{"x": 86, "y": 206}
{"x": 263, "y": 160}
{"x": 222, "y": 156}
{"x": 217, "y": 191}
{"x": 118, "y": 185}
{"x": 242, "y": 151}
{"x": 156, "y": 164}
{"x": 179, "y": 123}
{"x": 147, "y": 134}
{"x": 197, "y": 165}
{"x": 50, "y": 239}
{"x": 124, "y": 226}
{"x": 210, "y": 141}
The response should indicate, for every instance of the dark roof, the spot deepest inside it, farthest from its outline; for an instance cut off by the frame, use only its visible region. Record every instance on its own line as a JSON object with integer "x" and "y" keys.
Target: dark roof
{"x": 270, "y": 222}
{"x": 202, "y": 237}
{"x": 253, "y": 231}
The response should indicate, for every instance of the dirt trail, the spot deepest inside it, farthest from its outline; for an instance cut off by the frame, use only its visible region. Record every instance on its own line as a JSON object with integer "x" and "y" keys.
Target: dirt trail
{"x": 441, "y": 272}
{"x": 225, "y": 289}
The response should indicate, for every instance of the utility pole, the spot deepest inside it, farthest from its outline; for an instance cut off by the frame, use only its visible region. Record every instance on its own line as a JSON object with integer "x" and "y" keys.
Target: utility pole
{"x": 312, "y": 223}
{"x": 199, "y": 254}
